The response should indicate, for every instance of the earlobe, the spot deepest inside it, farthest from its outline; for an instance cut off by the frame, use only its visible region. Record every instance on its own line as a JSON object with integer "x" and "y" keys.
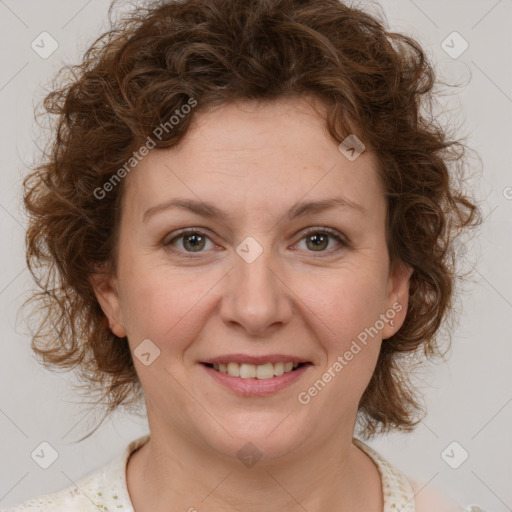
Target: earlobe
{"x": 107, "y": 295}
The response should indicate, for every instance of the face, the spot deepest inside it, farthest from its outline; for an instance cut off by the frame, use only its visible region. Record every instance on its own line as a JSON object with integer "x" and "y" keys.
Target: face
{"x": 257, "y": 279}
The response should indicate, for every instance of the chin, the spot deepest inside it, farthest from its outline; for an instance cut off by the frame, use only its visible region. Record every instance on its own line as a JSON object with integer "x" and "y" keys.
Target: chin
{"x": 260, "y": 435}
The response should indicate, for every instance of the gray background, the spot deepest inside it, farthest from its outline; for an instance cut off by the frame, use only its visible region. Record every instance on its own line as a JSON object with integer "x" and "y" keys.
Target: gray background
{"x": 468, "y": 398}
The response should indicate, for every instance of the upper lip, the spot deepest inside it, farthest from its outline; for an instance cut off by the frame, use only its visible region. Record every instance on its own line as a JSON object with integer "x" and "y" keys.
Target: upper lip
{"x": 256, "y": 360}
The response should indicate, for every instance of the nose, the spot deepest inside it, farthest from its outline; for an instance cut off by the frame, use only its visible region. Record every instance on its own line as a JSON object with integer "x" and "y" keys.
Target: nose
{"x": 256, "y": 298}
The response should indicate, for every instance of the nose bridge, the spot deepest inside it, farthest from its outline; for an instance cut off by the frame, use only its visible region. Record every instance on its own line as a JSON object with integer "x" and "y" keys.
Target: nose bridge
{"x": 257, "y": 298}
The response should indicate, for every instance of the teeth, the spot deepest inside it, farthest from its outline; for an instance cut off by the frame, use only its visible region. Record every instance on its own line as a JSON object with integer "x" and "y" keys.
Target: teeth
{"x": 233, "y": 369}
{"x": 278, "y": 369}
{"x": 247, "y": 371}
{"x": 251, "y": 371}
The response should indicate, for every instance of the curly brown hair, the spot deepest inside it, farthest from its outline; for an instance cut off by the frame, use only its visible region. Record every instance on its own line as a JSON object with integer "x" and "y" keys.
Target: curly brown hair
{"x": 374, "y": 83}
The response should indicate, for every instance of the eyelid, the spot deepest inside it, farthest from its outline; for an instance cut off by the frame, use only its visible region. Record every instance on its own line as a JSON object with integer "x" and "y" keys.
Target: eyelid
{"x": 333, "y": 233}
{"x": 324, "y": 229}
{"x": 339, "y": 237}
{"x": 182, "y": 232}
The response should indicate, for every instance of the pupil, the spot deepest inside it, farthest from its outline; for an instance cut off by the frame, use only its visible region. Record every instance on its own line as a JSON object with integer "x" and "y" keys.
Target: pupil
{"x": 317, "y": 240}
{"x": 196, "y": 240}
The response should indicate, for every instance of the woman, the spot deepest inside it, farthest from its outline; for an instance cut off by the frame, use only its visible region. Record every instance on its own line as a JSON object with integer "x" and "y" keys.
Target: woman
{"x": 247, "y": 222}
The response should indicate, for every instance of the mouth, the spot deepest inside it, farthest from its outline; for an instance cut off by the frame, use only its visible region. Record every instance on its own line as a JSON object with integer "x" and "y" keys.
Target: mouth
{"x": 258, "y": 378}
{"x": 264, "y": 371}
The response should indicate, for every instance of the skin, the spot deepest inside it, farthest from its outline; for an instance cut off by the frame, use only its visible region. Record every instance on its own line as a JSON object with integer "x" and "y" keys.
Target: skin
{"x": 254, "y": 161}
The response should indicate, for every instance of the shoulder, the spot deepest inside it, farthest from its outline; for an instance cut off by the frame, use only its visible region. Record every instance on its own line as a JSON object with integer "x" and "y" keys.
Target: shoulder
{"x": 408, "y": 494}
{"x": 102, "y": 489}
{"x": 87, "y": 495}
{"x": 69, "y": 499}
{"x": 429, "y": 499}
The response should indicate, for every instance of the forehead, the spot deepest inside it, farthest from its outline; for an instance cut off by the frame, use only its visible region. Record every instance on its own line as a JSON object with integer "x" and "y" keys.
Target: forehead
{"x": 256, "y": 154}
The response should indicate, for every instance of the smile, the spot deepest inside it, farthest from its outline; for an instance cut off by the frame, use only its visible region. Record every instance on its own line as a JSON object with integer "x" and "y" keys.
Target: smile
{"x": 252, "y": 371}
{"x": 247, "y": 379}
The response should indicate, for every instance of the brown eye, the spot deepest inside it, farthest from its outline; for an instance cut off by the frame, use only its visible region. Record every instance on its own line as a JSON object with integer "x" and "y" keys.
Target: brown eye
{"x": 318, "y": 240}
{"x": 191, "y": 242}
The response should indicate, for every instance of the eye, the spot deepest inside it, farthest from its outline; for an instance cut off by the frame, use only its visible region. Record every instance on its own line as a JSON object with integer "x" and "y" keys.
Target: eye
{"x": 317, "y": 239}
{"x": 195, "y": 241}
{"x": 192, "y": 241}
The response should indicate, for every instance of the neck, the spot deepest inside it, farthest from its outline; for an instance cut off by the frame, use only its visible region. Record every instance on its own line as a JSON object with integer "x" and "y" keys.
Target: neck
{"x": 335, "y": 475}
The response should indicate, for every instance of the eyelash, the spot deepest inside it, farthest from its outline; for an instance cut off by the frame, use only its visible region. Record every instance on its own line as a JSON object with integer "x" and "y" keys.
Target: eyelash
{"x": 325, "y": 231}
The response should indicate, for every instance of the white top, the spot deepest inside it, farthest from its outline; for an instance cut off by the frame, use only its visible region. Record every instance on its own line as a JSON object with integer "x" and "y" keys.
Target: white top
{"x": 105, "y": 489}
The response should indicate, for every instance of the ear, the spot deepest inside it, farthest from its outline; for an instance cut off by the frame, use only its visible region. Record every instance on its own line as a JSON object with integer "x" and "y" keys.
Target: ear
{"x": 397, "y": 298}
{"x": 105, "y": 289}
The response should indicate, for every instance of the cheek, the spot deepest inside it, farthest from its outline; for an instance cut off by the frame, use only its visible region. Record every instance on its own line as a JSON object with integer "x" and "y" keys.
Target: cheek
{"x": 350, "y": 349}
{"x": 164, "y": 305}
{"x": 347, "y": 301}
{"x": 349, "y": 306}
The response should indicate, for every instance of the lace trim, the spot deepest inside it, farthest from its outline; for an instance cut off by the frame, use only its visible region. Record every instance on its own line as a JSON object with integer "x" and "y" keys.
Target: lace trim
{"x": 397, "y": 491}
{"x": 106, "y": 489}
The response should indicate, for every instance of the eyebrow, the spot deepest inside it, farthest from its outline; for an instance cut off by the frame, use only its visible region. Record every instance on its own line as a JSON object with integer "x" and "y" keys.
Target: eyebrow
{"x": 209, "y": 210}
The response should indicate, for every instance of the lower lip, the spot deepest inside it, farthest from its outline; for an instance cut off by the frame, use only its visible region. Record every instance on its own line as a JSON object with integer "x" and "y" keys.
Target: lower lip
{"x": 257, "y": 387}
